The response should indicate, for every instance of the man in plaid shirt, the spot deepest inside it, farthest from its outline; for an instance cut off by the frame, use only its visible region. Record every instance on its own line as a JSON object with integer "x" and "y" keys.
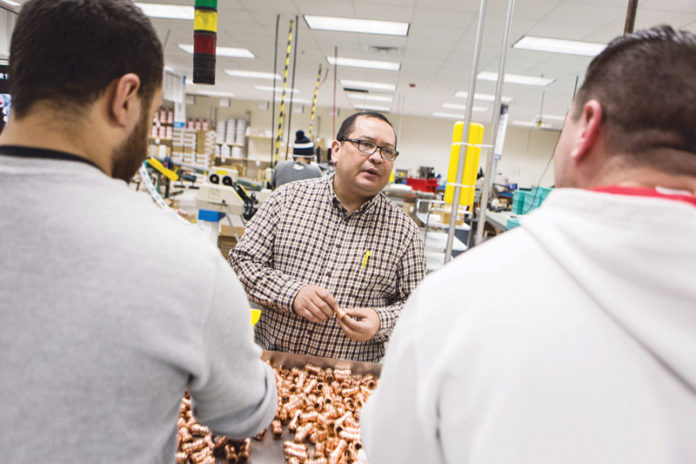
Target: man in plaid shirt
{"x": 321, "y": 246}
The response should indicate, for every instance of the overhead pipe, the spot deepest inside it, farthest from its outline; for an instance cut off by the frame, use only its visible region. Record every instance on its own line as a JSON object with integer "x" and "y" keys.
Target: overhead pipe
{"x": 281, "y": 111}
{"x": 488, "y": 175}
{"x": 275, "y": 72}
{"x": 292, "y": 88}
{"x": 465, "y": 135}
{"x": 631, "y": 16}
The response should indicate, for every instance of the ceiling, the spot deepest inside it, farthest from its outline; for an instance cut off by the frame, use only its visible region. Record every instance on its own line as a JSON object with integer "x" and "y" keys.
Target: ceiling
{"x": 436, "y": 55}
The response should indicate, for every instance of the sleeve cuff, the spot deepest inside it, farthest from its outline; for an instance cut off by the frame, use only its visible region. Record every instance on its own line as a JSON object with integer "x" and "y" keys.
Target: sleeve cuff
{"x": 287, "y": 295}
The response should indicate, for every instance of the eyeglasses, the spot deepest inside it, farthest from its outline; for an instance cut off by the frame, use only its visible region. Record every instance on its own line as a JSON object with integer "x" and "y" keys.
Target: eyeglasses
{"x": 367, "y": 147}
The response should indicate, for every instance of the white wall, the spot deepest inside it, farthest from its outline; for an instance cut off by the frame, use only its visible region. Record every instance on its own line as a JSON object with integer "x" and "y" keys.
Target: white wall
{"x": 7, "y": 20}
{"x": 422, "y": 141}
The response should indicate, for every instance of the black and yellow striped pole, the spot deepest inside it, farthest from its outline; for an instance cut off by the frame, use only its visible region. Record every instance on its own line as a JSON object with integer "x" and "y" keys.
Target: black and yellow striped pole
{"x": 282, "y": 94}
{"x": 314, "y": 103}
{"x": 204, "y": 41}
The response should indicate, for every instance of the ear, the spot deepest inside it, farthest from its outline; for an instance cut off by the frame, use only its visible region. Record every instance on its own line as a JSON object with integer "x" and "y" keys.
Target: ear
{"x": 125, "y": 103}
{"x": 588, "y": 129}
{"x": 335, "y": 146}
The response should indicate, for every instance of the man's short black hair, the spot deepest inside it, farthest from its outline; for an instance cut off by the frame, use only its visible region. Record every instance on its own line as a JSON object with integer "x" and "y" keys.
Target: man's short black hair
{"x": 646, "y": 85}
{"x": 68, "y": 51}
{"x": 348, "y": 124}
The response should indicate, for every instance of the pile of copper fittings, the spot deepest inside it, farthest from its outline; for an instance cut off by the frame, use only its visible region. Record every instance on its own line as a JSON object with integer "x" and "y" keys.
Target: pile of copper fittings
{"x": 320, "y": 409}
{"x": 197, "y": 445}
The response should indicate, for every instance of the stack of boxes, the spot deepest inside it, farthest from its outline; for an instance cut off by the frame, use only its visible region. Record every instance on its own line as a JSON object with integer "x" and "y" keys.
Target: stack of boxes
{"x": 184, "y": 146}
{"x": 205, "y": 148}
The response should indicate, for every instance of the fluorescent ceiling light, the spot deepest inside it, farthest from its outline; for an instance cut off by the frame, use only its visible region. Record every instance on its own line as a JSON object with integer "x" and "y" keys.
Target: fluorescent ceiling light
{"x": 365, "y": 26}
{"x": 356, "y": 63}
{"x": 270, "y": 88}
{"x": 378, "y": 98}
{"x": 440, "y": 114}
{"x": 209, "y": 93}
{"x": 11, "y": 3}
{"x": 546, "y": 117}
{"x": 475, "y": 109}
{"x": 368, "y": 85}
{"x": 160, "y": 10}
{"x": 252, "y": 74}
{"x": 223, "y": 51}
{"x": 530, "y": 124}
{"x": 303, "y": 101}
{"x": 371, "y": 107}
{"x": 515, "y": 79}
{"x": 483, "y": 96}
{"x": 568, "y": 47}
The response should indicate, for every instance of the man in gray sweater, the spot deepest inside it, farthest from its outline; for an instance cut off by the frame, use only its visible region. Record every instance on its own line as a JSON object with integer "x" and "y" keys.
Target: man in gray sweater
{"x": 110, "y": 309}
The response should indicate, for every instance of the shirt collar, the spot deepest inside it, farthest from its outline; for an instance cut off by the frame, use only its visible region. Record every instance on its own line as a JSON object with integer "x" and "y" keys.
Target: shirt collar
{"x": 364, "y": 208}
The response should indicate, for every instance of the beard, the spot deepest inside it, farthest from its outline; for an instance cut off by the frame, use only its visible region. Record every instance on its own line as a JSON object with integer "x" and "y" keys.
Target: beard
{"x": 128, "y": 157}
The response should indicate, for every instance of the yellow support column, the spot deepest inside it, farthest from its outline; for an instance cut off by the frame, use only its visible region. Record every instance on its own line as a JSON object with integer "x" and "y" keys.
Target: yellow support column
{"x": 473, "y": 154}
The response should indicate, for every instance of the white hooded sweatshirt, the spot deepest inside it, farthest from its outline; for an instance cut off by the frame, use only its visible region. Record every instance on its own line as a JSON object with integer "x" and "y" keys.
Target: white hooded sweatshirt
{"x": 571, "y": 339}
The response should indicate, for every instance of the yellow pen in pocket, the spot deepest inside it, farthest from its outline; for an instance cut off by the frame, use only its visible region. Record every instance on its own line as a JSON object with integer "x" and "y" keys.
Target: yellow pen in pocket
{"x": 365, "y": 258}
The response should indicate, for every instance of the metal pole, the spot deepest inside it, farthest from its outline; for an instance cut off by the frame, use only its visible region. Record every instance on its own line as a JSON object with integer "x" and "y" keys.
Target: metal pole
{"x": 292, "y": 89}
{"x": 630, "y": 16}
{"x": 488, "y": 178}
{"x": 334, "y": 92}
{"x": 275, "y": 71}
{"x": 465, "y": 135}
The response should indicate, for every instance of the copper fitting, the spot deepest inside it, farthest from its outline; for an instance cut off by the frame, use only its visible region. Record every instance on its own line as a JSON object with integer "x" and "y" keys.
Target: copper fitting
{"x": 349, "y": 391}
{"x": 198, "y": 429}
{"x": 259, "y": 436}
{"x": 310, "y": 386}
{"x": 319, "y": 449}
{"x": 303, "y": 432}
{"x": 312, "y": 369}
{"x": 292, "y": 426}
{"x": 277, "y": 429}
{"x": 311, "y": 416}
{"x": 181, "y": 457}
{"x": 340, "y": 314}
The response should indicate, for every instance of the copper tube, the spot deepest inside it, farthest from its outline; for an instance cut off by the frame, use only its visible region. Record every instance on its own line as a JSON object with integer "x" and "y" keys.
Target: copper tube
{"x": 312, "y": 369}
{"x": 349, "y": 436}
{"x": 246, "y": 446}
{"x": 300, "y": 380}
{"x": 322, "y": 434}
{"x": 292, "y": 426}
{"x": 322, "y": 419}
{"x": 319, "y": 449}
{"x": 337, "y": 453}
{"x": 230, "y": 454}
{"x": 181, "y": 457}
{"x": 180, "y": 422}
{"x": 311, "y": 416}
{"x": 294, "y": 460}
{"x": 342, "y": 419}
{"x": 342, "y": 374}
{"x": 198, "y": 429}
{"x": 185, "y": 434}
{"x": 310, "y": 386}
{"x": 321, "y": 460}
{"x": 349, "y": 391}
{"x": 259, "y": 436}
{"x": 303, "y": 431}
{"x": 193, "y": 446}
{"x": 277, "y": 429}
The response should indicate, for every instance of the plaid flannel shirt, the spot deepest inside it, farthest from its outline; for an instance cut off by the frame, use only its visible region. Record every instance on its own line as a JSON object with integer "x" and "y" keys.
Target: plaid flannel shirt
{"x": 302, "y": 235}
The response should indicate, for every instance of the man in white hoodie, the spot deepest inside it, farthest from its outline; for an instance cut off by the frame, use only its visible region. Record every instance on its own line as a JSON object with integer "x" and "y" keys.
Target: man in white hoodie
{"x": 586, "y": 351}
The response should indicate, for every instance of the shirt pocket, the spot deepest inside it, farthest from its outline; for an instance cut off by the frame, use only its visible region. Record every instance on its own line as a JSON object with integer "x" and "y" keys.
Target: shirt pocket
{"x": 379, "y": 273}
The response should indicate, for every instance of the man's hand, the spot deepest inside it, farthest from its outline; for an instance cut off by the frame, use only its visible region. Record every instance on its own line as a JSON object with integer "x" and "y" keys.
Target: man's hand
{"x": 314, "y": 303}
{"x": 360, "y": 324}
